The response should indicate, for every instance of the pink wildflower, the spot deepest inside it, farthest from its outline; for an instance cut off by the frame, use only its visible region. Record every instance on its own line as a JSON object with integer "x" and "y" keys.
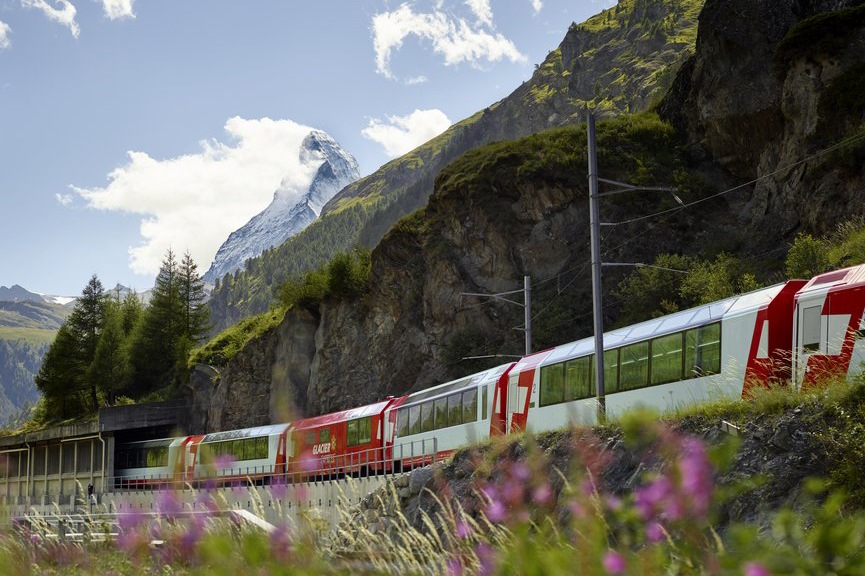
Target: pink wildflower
{"x": 654, "y": 532}
{"x": 543, "y": 494}
{"x": 756, "y": 569}
{"x": 496, "y": 512}
{"x": 614, "y": 563}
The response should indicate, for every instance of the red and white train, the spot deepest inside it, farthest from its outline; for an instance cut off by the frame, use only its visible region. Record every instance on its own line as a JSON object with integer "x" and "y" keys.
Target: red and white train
{"x": 797, "y": 332}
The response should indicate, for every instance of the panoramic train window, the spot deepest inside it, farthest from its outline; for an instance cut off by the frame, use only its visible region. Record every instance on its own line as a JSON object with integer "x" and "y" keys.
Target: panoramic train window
{"x": 310, "y": 438}
{"x": 455, "y": 409}
{"x": 552, "y": 384}
{"x": 324, "y": 435}
{"x": 579, "y": 382}
{"x": 667, "y": 359}
{"x": 441, "y": 410}
{"x": 650, "y": 362}
{"x": 634, "y": 366}
{"x": 611, "y": 371}
{"x": 703, "y": 350}
{"x": 426, "y": 417}
{"x": 470, "y": 405}
{"x": 484, "y": 404}
{"x": 402, "y": 422}
{"x": 414, "y": 426}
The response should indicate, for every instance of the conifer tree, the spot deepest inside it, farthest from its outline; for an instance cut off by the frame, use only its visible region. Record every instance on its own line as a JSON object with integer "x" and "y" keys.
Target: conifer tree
{"x": 196, "y": 314}
{"x": 85, "y": 323}
{"x": 63, "y": 377}
{"x": 153, "y": 356}
{"x": 109, "y": 371}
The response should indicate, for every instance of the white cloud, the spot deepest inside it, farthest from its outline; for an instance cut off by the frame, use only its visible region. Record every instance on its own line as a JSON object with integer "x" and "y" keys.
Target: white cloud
{"x": 64, "y": 199}
{"x": 195, "y": 201}
{"x": 537, "y": 5}
{"x": 5, "y": 42}
{"x": 64, "y": 12}
{"x": 454, "y": 39}
{"x": 482, "y": 10}
{"x": 118, "y": 9}
{"x": 401, "y": 134}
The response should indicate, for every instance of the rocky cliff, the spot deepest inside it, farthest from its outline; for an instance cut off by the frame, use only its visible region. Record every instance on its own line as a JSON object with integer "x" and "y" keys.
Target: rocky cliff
{"x": 772, "y": 88}
{"x": 750, "y": 118}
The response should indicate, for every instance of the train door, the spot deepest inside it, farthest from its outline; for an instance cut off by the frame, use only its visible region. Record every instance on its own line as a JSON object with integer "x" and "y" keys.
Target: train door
{"x": 810, "y": 337}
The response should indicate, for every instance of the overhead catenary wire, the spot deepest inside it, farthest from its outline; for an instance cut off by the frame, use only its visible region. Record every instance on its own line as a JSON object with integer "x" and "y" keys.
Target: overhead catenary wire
{"x": 578, "y": 269}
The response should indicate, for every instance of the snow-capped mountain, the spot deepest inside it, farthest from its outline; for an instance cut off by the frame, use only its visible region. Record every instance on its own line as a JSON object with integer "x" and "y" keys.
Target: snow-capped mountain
{"x": 293, "y": 207}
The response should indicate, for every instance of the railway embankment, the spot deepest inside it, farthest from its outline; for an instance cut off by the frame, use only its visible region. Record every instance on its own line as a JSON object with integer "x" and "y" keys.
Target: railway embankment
{"x": 761, "y": 457}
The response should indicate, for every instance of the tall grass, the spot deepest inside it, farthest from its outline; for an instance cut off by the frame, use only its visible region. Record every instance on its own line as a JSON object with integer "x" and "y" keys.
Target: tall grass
{"x": 522, "y": 506}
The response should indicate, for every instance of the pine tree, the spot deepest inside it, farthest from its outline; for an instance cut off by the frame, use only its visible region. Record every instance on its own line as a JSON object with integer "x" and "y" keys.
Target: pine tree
{"x": 161, "y": 327}
{"x": 61, "y": 378}
{"x": 196, "y": 314}
{"x": 85, "y": 324}
{"x": 109, "y": 371}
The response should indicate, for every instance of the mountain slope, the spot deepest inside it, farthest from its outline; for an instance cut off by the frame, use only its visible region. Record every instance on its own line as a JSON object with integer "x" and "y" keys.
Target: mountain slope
{"x": 293, "y": 207}
{"x": 27, "y": 328}
{"x": 620, "y": 60}
{"x": 748, "y": 153}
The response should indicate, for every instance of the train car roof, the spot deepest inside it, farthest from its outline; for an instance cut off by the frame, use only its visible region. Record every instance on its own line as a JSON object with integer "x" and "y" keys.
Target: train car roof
{"x": 244, "y": 433}
{"x": 669, "y": 324}
{"x": 156, "y": 443}
{"x": 343, "y": 416}
{"x": 846, "y": 277}
{"x": 446, "y": 388}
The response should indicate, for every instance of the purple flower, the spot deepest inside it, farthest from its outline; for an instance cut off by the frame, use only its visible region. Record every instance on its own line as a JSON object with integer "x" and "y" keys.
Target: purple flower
{"x": 654, "y": 531}
{"x": 486, "y": 557}
{"x": 463, "y": 529}
{"x": 521, "y": 472}
{"x": 696, "y": 471}
{"x": 543, "y": 494}
{"x": 168, "y": 503}
{"x": 496, "y": 511}
{"x": 650, "y": 499}
{"x": 614, "y": 563}
{"x": 755, "y": 569}
{"x": 280, "y": 542}
{"x": 577, "y": 509}
{"x": 455, "y": 567}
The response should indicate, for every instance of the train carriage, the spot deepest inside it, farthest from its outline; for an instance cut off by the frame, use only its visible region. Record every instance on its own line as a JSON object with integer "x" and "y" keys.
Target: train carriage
{"x": 704, "y": 353}
{"x": 352, "y": 441}
{"x": 433, "y": 423}
{"x": 149, "y": 464}
{"x": 249, "y": 454}
{"x": 828, "y": 326}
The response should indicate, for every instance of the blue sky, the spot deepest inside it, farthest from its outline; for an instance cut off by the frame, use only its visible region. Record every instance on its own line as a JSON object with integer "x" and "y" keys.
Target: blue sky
{"x": 128, "y": 126}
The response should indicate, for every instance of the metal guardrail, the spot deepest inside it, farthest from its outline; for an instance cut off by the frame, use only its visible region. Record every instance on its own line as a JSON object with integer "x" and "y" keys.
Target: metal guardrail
{"x": 375, "y": 461}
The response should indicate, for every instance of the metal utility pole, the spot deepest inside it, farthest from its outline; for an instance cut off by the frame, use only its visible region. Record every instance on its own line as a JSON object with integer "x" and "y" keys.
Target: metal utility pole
{"x": 595, "y": 233}
{"x": 526, "y": 304}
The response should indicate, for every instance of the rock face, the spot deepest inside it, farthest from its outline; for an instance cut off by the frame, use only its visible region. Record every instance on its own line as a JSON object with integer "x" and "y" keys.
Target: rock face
{"x": 292, "y": 209}
{"x": 766, "y": 88}
{"x": 265, "y": 383}
{"x": 757, "y": 99}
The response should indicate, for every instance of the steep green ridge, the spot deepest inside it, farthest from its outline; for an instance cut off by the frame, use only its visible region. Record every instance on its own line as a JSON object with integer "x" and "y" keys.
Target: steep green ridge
{"x": 26, "y": 330}
{"x": 618, "y": 61}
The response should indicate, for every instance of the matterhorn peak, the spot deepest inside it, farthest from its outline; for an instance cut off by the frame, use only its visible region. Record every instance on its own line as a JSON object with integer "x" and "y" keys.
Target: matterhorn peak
{"x": 294, "y": 206}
